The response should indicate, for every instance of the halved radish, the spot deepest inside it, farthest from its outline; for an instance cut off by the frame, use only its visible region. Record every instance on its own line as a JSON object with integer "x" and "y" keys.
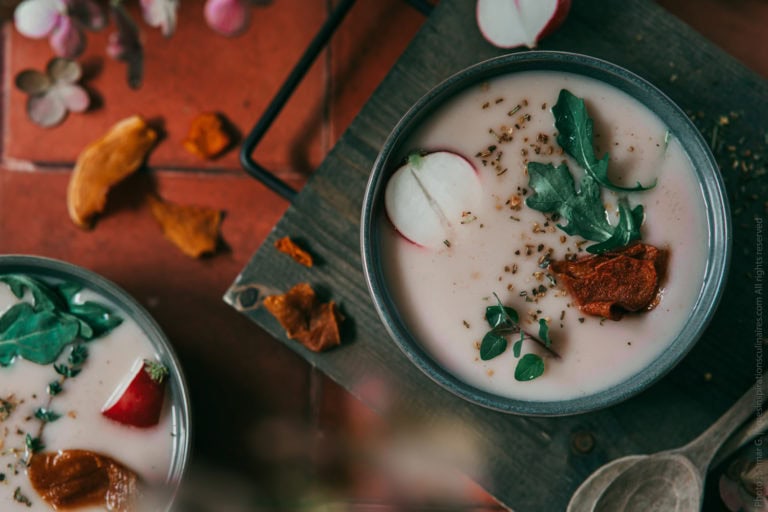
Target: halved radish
{"x": 426, "y": 197}
{"x": 513, "y": 23}
{"x": 138, "y": 400}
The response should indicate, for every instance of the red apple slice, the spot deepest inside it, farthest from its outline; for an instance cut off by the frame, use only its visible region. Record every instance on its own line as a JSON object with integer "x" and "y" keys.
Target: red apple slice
{"x": 426, "y": 197}
{"x": 513, "y": 23}
{"x": 138, "y": 401}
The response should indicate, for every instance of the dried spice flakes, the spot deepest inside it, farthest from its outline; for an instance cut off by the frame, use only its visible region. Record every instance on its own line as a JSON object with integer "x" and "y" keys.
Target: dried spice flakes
{"x": 193, "y": 229}
{"x": 289, "y": 247}
{"x": 71, "y": 479}
{"x": 104, "y": 163}
{"x": 305, "y": 319}
{"x": 208, "y": 136}
{"x": 613, "y": 283}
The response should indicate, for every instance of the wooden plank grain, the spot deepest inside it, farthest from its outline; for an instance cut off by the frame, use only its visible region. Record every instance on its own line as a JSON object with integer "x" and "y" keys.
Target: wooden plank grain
{"x": 528, "y": 463}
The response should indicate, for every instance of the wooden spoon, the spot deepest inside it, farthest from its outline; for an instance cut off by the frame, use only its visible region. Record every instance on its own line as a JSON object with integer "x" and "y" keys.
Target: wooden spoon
{"x": 672, "y": 480}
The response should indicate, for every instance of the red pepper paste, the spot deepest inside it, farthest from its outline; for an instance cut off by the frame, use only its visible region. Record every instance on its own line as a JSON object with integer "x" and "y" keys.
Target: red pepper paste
{"x": 73, "y": 479}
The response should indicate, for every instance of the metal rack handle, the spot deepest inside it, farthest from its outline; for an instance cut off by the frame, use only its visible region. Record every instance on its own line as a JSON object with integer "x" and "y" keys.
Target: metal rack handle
{"x": 318, "y": 43}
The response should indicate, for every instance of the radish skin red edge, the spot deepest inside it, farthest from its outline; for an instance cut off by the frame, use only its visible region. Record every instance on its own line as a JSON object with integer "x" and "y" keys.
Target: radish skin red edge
{"x": 512, "y": 23}
{"x": 426, "y": 197}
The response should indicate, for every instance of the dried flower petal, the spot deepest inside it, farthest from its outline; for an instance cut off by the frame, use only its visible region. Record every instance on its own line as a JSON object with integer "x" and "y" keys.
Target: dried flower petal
{"x": 609, "y": 284}
{"x": 161, "y": 13}
{"x": 227, "y": 17}
{"x": 74, "y": 97}
{"x": 305, "y": 319}
{"x": 37, "y": 18}
{"x": 88, "y": 13}
{"x": 193, "y": 229}
{"x": 32, "y": 81}
{"x": 105, "y": 162}
{"x": 66, "y": 38}
{"x": 207, "y": 137}
{"x": 289, "y": 247}
{"x": 46, "y": 109}
{"x": 64, "y": 70}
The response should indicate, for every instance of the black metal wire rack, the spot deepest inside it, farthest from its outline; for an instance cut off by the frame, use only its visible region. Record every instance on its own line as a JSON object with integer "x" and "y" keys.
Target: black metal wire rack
{"x": 260, "y": 129}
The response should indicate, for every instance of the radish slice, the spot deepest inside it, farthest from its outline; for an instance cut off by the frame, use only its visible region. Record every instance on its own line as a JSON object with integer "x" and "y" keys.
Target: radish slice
{"x": 426, "y": 197}
{"x": 513, "y": 23}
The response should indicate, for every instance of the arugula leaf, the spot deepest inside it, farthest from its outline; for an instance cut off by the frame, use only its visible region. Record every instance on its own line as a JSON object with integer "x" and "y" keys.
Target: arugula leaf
{"x": 627, "y": 230}
{"x": 37, "y": 336}
{"x": 68, "y": 290}
{"x": 493, "y": 345}
{"x": 555, "y": 191}
{"x": 544, "y": 332}
{"x": 45, "y": 297}
{"x": 529, "y": 367}
{"x": 574, "y": 127}
{"x": 99, "y": 318}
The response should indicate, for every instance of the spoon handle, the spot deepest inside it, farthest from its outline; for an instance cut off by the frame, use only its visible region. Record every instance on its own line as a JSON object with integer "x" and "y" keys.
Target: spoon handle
{"x": 702, "y": 449}
{"x": 748, "y": 432}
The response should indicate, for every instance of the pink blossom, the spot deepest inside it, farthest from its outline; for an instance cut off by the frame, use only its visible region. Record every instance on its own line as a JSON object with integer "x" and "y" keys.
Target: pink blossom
{"x": 53, "y": 93}
{"x": 227, "y": 17}
{"x": 162, "y": 14}
{"x": 62, "y": 21}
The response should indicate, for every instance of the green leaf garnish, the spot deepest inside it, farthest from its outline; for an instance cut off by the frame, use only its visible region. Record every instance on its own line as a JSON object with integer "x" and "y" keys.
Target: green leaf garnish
{"x": 100, "y": 318}
{"x": 36, "y": 336}
{"x": 493, "y": 345}
{"x": 544, "y": 332}
{"x": 529, "y": 367}
{"x": 34, "y": 444}
{"x": 518, "y": 346}
{"x": 68, "y": 290}
{"x": 54, "y": 388}
{"x": 78, "y": 355}
{"x": 46, "y": 415}
{"x": 574, "y": 127}
{"x": 66, "y": 371}
{"x": 500, "y": 314}
{"x": 555, "y": 191}
{"x": 40, "y": 331}
{"x": 44, "y": 296}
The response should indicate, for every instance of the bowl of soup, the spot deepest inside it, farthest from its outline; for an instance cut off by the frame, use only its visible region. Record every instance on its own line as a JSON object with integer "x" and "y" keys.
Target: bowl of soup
{"x": 94, "y": 408}
{"x": 545, "y": 233}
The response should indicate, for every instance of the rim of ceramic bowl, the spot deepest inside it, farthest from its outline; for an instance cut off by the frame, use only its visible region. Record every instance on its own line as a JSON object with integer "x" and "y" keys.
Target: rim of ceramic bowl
{"x": 711, "y": 189}
{"x": 180, "y": 403}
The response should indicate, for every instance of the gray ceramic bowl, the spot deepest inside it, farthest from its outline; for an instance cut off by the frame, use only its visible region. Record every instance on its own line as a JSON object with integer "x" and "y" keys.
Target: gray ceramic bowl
{"x": 180, "y": 407}
{"x": 712, "y": 189}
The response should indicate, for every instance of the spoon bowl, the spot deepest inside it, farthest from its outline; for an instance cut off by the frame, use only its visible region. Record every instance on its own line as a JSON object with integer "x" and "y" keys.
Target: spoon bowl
{"x": 671, "y": 480}
{"x": 667, "y": 481}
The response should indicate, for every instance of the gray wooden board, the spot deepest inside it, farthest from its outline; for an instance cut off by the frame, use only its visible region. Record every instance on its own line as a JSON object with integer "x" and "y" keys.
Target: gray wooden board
{"x": 529, "y": 463}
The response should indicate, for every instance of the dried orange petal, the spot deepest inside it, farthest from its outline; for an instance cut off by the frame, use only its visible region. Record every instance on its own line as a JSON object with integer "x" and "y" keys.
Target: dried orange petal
{"x": 104, "y": 163}
{"x": 70, "y": 479}
{"x": 610, "y": 284}
{"x": 289, "y": 247}
{"x": 305, "y": 319}
{"x": 207, "y": 136}
{"x": 193, "y": 229}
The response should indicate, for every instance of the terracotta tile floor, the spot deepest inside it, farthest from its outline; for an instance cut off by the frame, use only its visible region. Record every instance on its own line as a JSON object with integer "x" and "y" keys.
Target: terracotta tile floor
{"x": 264, "y": 422}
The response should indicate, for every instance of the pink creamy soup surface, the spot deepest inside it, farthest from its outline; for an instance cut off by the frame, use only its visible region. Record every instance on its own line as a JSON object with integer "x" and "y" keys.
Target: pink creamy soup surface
{"x": 81, "y": 426}
{"x": 442, "y": 293}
